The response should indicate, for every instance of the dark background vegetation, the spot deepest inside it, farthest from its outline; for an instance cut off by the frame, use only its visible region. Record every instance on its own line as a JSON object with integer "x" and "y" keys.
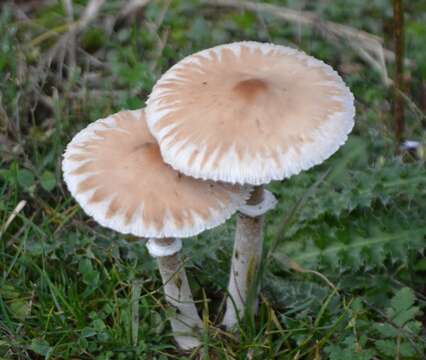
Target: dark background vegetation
{"x": 345, "y": 271}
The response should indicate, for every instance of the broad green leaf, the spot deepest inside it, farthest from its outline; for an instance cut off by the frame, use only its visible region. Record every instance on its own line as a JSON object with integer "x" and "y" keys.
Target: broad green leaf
{"x": 406, "y": 349}
{"x": 351, "y": 351}
{"x": 85, "y": 266}
{"x": 420, "y": 265}
{"x": 88, "y": 332}
{"x": 48, "y": 180}
{"x": 25, "y": 178}
{"x": 386, "y": 330}
{"x": 40, "y": 346}
{"x": 20, "y": 308}
{"x": 403, "y": 300}
{"x": 386, "y": 347}
{"x": 402, "y": 317}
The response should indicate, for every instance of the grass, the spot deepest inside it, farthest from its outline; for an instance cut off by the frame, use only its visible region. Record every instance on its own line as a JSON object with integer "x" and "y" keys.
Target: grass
{"x": 344, "y": 275}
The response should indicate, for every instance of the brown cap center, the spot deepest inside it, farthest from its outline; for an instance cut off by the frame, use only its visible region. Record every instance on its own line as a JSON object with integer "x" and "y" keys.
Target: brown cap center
{"x": 149, "y": 150}
{"x": 250, "y": 89}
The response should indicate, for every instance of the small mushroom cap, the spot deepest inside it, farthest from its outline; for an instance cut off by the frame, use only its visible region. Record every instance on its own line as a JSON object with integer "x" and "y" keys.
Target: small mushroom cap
{"x": 249, "y": 113}
{"x": 115, "y": 171}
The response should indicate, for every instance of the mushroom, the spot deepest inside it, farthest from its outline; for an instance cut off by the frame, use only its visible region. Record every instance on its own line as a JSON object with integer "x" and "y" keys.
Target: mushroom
{"x": 249, "y": 113}
{"x": 114, "y": 170}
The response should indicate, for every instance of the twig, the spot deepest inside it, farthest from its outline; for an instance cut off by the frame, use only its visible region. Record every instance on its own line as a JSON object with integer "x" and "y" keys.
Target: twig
{"x": 161, "y": 44}
{"x": 131, "y": 7}
{"x": 398, "y": 105}
{"x": 90, "y": 13}
{"x": 161, "y": 40}
{"x": 154, "y": 26}
{"x": 12, "y": 216}
{"x": 4, "y": 119}
{"x": 94, "y": 61}
{"x": 72, "y": 38}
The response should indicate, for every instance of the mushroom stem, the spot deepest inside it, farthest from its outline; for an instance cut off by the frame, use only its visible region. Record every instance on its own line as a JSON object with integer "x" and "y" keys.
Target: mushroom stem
{"x": 177, "y": 291}
{"x": 245, "y": 263}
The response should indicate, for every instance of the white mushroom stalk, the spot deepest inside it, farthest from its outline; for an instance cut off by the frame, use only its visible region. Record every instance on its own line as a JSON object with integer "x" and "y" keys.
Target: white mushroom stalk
{"x": 114, "y": 170}
{"x": 186, "y": 324}
{"x": 246, "y": 256}
{"x": 249, "y": 113}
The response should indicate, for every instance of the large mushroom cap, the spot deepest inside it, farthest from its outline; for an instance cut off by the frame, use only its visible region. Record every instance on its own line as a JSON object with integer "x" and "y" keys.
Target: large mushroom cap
{"x": 115, "y": 171}
{"x": 249, "y": 112}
